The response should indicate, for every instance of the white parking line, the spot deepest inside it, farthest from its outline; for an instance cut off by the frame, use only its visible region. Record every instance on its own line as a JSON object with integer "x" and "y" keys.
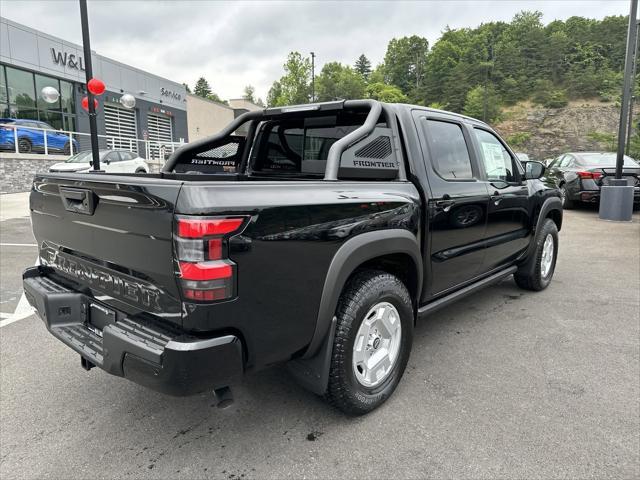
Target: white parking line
{"x": 18, "y": 244}
{"x": 23, "y": 309}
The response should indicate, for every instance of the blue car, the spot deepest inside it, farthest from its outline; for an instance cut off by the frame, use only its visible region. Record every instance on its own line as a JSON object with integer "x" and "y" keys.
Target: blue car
{"x": 30, "y": 140}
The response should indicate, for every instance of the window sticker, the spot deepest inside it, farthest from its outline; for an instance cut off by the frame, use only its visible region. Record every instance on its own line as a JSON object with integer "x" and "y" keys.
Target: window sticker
{"x": 494, "y": 160}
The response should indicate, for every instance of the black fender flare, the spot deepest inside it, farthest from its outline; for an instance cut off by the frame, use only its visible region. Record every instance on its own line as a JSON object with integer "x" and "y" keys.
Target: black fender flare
{"x": 550, "y": 204}
{"x": 312, "y": 369}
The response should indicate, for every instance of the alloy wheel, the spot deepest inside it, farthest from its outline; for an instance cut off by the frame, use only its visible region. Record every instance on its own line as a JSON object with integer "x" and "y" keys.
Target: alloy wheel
{"x": 377, "y": 344}
{"x": 546, "y": 260}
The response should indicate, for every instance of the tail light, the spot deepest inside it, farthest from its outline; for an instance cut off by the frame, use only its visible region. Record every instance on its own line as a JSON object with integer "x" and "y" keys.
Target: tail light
{"x": 202, "y": 250}
{"x": 590, "y": 175}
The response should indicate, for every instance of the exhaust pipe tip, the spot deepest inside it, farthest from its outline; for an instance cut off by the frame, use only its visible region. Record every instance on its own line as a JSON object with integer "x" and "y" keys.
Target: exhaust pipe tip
{"x": 224, "y": 397}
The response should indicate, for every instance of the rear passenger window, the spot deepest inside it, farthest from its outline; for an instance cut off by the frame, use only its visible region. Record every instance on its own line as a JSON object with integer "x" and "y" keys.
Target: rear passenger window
{"x": 299, "y": 146}
{"x": 448, "y": 148}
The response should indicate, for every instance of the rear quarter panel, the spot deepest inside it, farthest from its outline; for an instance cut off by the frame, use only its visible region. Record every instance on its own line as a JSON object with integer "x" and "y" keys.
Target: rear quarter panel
{"x": 284, "y": 253}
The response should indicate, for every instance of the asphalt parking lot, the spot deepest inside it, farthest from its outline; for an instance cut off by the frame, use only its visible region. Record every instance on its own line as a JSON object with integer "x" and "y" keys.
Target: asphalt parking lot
{"x": 503, "y": 384}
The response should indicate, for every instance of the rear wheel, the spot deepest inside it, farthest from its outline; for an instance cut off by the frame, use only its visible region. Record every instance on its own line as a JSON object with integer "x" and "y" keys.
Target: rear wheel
{"x": 567, "y": 203}
{"x": 141, "y": 170}
{"x": 24, "y": 145}
{"x": 372, "y": 343}
{"x": 537, "y": 276}
{"x": 67, "y": 149}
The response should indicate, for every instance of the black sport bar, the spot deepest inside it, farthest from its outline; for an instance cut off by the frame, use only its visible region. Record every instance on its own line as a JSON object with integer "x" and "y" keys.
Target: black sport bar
{"x": 336, "y": 150}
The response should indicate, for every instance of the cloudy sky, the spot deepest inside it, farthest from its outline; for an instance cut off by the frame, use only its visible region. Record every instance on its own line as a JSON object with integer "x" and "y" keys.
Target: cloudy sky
{"x": 233, "y": 44}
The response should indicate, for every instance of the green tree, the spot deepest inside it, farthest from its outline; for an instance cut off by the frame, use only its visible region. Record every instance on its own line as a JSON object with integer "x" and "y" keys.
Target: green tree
{"x": 443, "y": 65}
{"x": 510, "y": 91}
{"x": 337, "y": 81}
{"x": 518, "y": 139}
{"x": 477, "y": 106}
{"x": 386, "y": 93}
{"x": 604, "y": 140}
{"x": 405, "y": 63}
{"x": 363, "y": 66}
{"x": 557, "y": 99}
{"x": 545, "y": 94}
{"x": 294, "y": 86}
{"x": 377, "y": 75}
{"x": 274, "y": 95}
{"x": 202, "y": 88}
{"x": 576, "y": 58}
{"x": 249, "y": 94}
{"x": 215, "y": 98}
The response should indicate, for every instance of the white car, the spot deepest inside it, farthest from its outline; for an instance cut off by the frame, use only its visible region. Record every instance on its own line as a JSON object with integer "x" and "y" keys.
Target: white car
{"x": 111, "y": 161}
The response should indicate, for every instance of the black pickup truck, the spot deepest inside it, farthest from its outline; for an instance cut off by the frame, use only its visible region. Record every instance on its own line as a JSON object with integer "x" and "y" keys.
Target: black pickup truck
{"x": 313, "y": 235}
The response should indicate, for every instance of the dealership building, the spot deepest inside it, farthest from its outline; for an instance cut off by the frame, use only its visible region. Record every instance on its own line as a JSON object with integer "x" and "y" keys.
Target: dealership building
{"x": 31, "y": 60}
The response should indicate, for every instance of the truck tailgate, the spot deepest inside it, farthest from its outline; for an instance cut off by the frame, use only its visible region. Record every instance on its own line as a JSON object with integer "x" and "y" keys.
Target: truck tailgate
{"x": 112, "y": 235}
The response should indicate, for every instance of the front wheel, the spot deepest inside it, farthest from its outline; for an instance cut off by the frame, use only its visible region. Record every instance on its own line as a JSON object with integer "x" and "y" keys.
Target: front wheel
{"x": 373, "y": 339}
{"x": 537, "y": 275}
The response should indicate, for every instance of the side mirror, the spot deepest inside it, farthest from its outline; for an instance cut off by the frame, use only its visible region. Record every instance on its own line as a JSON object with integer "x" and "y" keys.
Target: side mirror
{"x": 533, "y": 170}
{"x": 107, "y": 161}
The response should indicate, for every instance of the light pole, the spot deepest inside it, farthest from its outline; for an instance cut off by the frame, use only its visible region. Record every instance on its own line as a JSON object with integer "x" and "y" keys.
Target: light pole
{"x": 313, "y": 77}
{"x": 633, "y": 85}
{"x": 93, "y": 126}
{"x": 616, "y": 198}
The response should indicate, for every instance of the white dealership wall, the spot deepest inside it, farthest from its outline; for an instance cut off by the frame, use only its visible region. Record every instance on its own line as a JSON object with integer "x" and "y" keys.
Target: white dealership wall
{"x": 31, "y": 49}
{"x": 206, "y": 117}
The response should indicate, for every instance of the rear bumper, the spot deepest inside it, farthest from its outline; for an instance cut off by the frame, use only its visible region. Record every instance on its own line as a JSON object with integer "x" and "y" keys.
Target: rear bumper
{"x": 593, "y": 196}
{"x": 163, "y": 359}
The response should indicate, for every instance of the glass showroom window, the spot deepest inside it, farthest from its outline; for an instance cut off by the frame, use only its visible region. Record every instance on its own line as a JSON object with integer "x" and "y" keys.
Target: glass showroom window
{"x": 68, "y": 105}
{"x": 48, "y": 112}
{"x": 22, "y": 99}
{"x": 4, "y": 96}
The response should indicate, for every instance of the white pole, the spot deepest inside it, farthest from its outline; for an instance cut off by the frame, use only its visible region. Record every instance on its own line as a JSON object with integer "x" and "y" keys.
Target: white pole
{"x": 15, "y": 139}
{"x": 46, "y": 147}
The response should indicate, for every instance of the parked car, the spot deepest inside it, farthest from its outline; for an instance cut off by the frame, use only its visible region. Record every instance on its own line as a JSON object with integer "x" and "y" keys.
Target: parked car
{"x": 185, "y": 280}
{"x": 579, "y": 175}
{"x": 32, "y": 140}
{"x": 111, "y": 161}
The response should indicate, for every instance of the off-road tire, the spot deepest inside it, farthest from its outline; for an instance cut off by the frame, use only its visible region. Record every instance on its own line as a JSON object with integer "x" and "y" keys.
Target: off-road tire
{"x": 530, "y": 277}
{"x": 364, "y": 290}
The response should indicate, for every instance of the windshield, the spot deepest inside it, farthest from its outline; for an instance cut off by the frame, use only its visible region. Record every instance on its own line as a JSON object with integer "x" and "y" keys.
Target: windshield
{"x": 82, "y": 157}
{"x": 605, "y": 160}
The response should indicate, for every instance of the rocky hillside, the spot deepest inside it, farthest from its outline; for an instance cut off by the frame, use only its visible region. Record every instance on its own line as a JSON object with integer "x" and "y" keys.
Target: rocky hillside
{"x": 547, "y": 132}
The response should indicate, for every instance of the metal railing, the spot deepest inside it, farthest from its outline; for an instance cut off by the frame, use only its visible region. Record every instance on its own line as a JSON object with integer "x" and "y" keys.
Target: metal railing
{"x": 27, "y": 140}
